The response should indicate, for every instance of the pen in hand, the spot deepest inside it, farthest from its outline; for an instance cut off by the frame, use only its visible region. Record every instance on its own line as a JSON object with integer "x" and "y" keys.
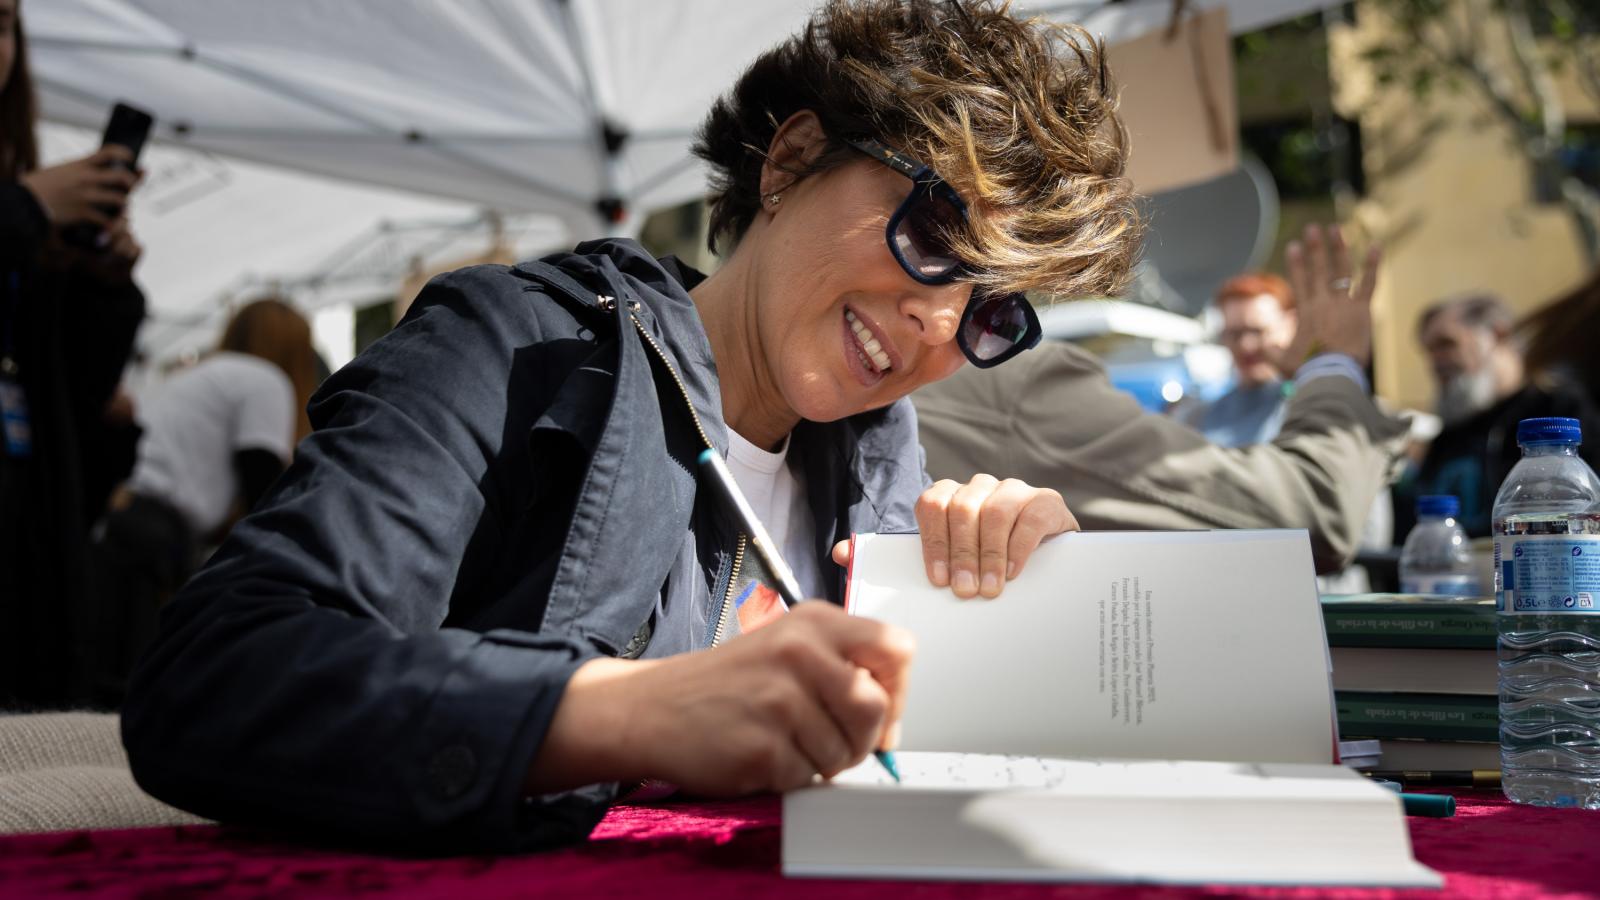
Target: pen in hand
{"x": 788, "y": 588}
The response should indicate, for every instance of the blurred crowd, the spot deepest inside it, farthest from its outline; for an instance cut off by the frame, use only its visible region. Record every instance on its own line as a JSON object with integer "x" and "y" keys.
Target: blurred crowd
{"x": 107, "y": 504}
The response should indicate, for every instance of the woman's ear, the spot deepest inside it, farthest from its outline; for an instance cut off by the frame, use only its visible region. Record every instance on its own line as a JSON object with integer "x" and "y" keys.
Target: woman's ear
{"x": 797, "y": 143}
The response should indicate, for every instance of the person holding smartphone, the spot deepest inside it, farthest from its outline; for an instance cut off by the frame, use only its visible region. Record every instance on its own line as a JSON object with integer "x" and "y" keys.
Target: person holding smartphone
{"x": 67, "y": 320}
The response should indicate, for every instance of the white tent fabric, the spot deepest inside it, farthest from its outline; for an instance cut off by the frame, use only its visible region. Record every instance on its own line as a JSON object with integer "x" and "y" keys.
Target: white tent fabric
{"x": 508, "y": 104}
{"x": 220, "y": 232}
{"x": 580, "y": 110}
{"x": 558, "y": 106}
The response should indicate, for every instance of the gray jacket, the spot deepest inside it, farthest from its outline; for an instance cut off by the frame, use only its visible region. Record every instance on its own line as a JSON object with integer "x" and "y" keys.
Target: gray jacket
{"x": 1052, "y": 418}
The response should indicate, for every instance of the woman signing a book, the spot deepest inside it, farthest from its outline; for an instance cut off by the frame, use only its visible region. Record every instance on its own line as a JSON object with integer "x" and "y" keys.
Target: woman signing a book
{"x": 493, "y": 594}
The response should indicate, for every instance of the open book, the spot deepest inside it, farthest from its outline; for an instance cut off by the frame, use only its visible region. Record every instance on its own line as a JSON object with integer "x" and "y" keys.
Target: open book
{"x": 1161, "y": 709}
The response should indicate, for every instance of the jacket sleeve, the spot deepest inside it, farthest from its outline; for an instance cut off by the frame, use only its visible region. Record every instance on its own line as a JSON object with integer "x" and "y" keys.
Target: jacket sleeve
{"x": 106, "y": 318}
{"x": 103, "y": 317}
{"x": 1056, "y": 420}
{"x": 303, "y": 680}
{"x": 1583, "y": 407}
{"x": 23, "y": 225}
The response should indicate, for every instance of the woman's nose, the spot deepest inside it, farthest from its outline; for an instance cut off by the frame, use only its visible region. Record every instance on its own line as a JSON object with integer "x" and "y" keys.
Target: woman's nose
{"x": 937, "y": 311}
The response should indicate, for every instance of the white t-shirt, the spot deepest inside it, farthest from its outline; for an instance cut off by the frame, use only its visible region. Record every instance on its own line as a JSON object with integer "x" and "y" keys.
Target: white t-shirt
{"x": 779, "y": 500}
{"x": 197, "y": 420}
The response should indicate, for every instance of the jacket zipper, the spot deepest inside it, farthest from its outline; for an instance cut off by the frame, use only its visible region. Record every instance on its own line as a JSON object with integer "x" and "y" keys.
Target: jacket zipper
{"x": 738, "y": 553}
{"x": 727, "y": 597}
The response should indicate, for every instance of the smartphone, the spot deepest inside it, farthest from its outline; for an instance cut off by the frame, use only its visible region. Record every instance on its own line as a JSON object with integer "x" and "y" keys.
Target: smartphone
{"x": 129, "y": 127}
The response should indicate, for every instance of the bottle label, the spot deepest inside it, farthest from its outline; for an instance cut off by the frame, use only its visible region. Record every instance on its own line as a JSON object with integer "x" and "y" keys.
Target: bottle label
{"x": 1440, "y": 585}
{"x": 1549, "y": 573}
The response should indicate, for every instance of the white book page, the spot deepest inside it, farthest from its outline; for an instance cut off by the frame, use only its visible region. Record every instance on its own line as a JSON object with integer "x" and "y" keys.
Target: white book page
{"x": 990, "y": 817}
{"x": 1164, "y": 779}
{"x": 1166, "y": 645}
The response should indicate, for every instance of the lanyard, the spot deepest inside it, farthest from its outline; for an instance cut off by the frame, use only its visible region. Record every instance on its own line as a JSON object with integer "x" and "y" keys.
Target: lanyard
{"x": 8, "y": 347}
{"x": 16, "y": 428}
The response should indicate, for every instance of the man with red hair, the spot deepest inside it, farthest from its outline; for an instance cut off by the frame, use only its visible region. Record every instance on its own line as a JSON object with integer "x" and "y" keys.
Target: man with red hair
{"x": 1051, "y": 417}
{"x": 1258, "y": 324}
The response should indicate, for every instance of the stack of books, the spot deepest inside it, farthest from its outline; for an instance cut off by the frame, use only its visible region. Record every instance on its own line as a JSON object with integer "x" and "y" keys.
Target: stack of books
{"x": 1419, "y": 675}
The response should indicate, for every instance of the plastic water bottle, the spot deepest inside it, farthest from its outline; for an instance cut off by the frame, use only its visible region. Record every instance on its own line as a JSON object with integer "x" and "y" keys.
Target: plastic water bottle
{"x": 1436, "y": 558}
{"x": 1547, "y": 583}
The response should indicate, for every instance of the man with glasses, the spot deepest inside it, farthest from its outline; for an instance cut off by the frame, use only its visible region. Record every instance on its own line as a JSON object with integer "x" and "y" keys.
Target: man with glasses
{"x": 1051, "y": 417}
{"x": 1258, "y": 324}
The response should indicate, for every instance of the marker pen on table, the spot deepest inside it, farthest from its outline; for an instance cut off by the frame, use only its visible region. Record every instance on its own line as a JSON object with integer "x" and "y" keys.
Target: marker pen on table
{"x": 1436, "y": 806}
{"x": 788, "y": 587}
{"x": 1474, "y": 778}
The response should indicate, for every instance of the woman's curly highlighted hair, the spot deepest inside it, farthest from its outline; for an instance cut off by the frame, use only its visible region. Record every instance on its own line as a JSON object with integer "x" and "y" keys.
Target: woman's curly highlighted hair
{"x": 1018, "y": 116}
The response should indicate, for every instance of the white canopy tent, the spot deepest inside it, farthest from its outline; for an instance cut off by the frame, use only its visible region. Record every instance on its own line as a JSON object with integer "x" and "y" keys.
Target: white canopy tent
{"x": 220, "y": 232}
{"x": 581, "y": 111}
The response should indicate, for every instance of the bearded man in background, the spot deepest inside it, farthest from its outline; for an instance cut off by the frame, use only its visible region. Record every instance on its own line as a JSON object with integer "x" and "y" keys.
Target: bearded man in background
{"x": 1483, "y": 392}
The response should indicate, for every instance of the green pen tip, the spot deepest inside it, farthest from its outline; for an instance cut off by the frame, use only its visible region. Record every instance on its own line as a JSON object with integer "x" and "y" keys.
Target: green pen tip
{"x": 887, "y": 759}
{"x": 1437, "y": 805}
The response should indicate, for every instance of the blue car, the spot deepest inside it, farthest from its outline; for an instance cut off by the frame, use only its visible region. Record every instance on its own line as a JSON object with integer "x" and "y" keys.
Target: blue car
{"x": 1162, "y": 358}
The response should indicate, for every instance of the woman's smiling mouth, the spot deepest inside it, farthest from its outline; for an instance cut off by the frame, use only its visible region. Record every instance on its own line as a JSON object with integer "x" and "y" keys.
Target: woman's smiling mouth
{"x": 868, "y": 347}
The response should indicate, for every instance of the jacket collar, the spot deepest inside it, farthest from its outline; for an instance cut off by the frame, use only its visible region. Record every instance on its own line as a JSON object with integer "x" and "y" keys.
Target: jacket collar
{"x": 876, "y": 452}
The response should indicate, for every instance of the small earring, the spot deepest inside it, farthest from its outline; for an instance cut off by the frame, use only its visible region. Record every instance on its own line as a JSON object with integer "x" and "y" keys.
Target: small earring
{"x": 774, "y": 199}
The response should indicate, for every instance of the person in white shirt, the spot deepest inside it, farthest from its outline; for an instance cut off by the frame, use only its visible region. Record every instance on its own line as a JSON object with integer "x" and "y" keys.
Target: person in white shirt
{"x": 206, "y": 430}
{"x": 216, "y": 436}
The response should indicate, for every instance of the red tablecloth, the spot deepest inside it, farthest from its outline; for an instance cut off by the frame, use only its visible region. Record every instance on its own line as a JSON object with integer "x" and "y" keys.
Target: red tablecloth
{"x": 1489, "y": 849}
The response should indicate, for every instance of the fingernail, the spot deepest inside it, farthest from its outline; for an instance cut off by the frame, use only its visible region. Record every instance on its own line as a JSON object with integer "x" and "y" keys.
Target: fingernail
{"x": 965, "y": 583}
{"x": 941, "y": 573}
{"x": 1011, "y": 570}
{"x": 991, "y": 584}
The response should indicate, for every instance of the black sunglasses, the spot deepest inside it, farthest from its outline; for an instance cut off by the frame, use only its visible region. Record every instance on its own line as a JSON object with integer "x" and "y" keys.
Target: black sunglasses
{"x": 994, "y": 327}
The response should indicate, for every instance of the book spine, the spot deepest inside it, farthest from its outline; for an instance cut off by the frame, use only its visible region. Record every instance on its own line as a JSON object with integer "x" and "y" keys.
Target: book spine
{"x": 1409, "y": 628}
{"x": 1436, "y": 717}
{"x": 1410, "y": 753}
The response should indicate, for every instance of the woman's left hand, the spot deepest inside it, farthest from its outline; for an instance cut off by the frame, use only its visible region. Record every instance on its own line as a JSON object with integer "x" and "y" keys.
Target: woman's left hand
{"x": 110, "y": 263}
{"x": 114, "y": 263}
{"x": 977, "y": 536}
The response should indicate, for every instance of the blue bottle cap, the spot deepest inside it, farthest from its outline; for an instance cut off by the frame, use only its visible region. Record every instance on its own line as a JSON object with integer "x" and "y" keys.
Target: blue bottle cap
{"x": 1549, "y": 431}
{"x": 1441, "y": 505}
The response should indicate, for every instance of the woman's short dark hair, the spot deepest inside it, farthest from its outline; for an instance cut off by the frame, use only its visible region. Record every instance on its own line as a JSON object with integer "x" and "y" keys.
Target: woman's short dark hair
{"x": 1018, "y": 116}
{"x": 19, "y": 150}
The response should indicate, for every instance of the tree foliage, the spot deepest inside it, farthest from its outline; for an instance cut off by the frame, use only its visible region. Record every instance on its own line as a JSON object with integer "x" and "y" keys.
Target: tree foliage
{"x": 1464, "y": 45}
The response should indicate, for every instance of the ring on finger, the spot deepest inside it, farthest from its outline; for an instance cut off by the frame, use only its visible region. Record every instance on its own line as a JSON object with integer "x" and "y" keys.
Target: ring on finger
{"x": 1340, "y": 284}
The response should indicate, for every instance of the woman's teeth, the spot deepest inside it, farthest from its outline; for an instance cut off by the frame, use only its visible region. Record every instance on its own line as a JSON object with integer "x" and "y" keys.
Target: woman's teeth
{"x": 869, "y": 344}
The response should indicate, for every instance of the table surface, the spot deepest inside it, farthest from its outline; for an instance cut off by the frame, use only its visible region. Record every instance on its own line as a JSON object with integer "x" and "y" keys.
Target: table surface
{"x": 1490, "y": 848}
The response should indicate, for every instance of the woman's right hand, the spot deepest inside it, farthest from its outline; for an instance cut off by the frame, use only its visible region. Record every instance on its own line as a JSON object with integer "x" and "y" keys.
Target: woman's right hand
{"x": 811, "y": 693}
{"x": 76, "y": 191}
